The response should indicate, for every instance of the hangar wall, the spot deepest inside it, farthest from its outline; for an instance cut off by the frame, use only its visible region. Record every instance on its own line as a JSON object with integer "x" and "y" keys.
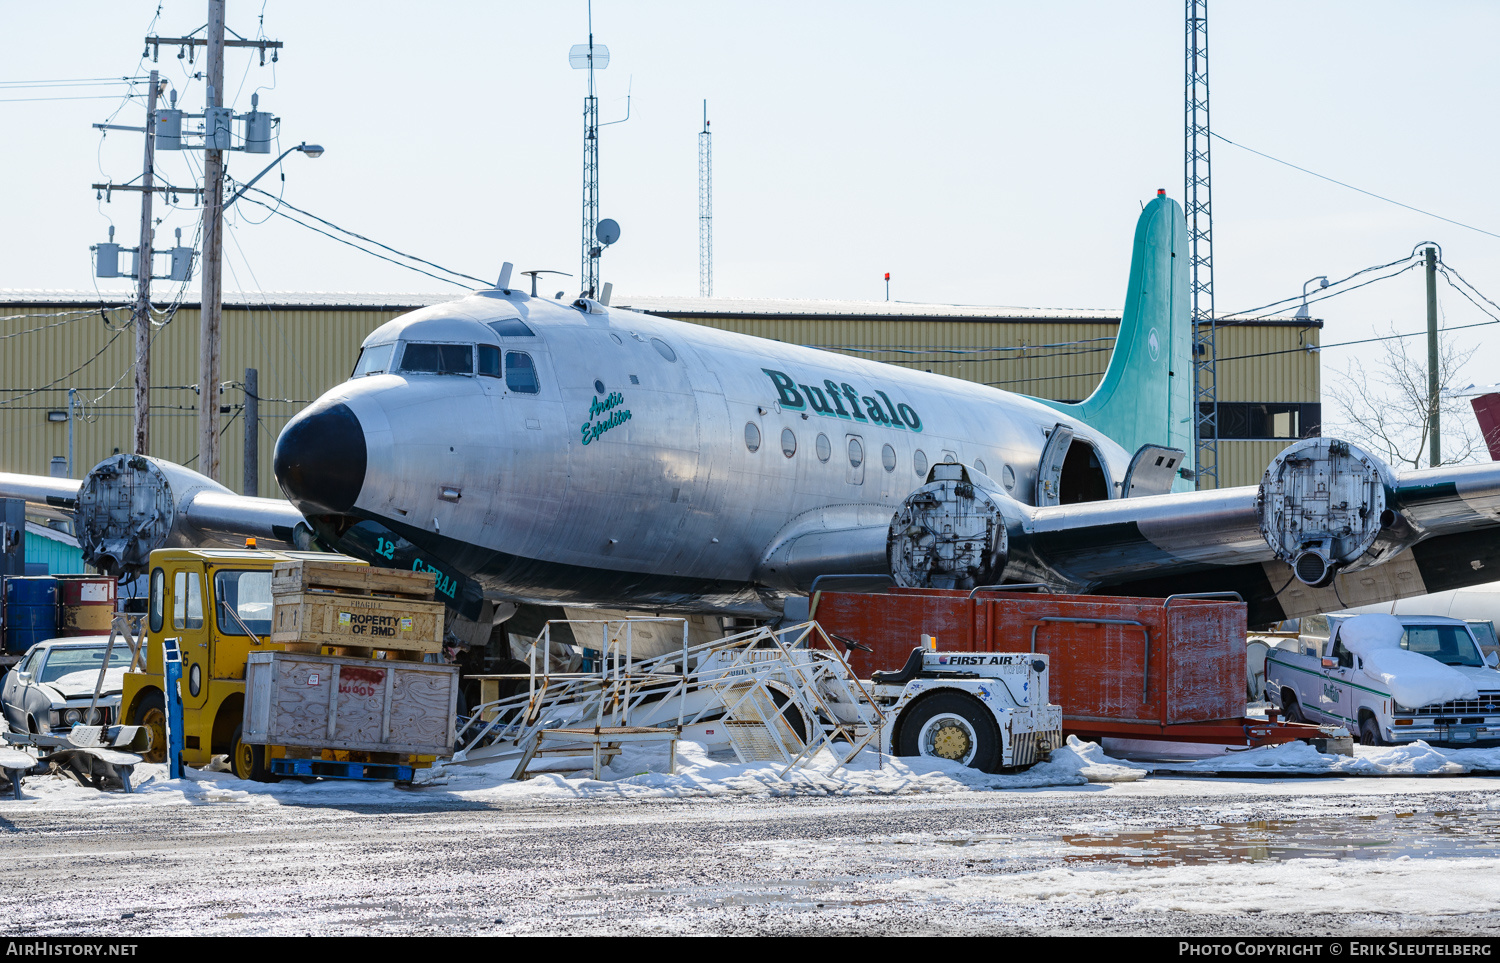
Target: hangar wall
{"x": 303, "y": 344}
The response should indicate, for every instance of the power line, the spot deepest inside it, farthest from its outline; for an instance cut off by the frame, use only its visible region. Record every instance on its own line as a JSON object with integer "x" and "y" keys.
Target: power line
{"x": 1318, "y": 297}
{"x": 32, "y": 100}
{"x": 935, "y": 349}
{"x": 1360, "y": 190}
{"x": 70, "y": 374}
{"x": 277, "y": 210}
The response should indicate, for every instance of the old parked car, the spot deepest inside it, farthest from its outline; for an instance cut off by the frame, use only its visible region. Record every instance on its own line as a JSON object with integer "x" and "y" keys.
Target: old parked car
{"x": 51, "y": 688}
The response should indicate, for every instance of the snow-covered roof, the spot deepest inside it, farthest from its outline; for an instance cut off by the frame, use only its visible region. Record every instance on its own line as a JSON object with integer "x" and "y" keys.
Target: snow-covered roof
{"x": 822, "y": 308}
{"x": 52, "y": 534}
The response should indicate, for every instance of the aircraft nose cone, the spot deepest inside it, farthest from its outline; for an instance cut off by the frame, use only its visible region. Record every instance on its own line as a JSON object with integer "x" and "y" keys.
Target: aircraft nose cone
{"x": 320, "y": 460}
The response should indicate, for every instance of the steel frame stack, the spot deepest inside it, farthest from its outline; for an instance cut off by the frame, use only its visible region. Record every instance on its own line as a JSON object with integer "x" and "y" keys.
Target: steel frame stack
{"x": 705, "y": 210}
{"x": 589, "y": 270}
{"x": 1199, "y": 210}
{"x": 730, "y": 678}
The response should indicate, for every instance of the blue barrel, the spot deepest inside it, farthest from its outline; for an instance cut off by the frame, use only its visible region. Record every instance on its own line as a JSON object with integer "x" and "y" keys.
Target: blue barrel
{"x": 30, "y": 612}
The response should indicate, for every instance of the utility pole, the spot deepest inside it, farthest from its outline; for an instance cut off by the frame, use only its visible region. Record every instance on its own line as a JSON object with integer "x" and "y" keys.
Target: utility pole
{"x": 216, "y": 126}
{"x": 1435, "y": 448}
{"x": 143, "y": 286}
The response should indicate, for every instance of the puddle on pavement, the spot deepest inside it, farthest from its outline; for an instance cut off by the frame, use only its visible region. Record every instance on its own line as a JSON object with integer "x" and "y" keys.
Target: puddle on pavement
{"x": 1419, "y": 835}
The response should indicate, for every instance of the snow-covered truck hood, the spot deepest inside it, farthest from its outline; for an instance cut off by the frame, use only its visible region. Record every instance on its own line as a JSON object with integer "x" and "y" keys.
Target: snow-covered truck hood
{"x": 80, "y": 685}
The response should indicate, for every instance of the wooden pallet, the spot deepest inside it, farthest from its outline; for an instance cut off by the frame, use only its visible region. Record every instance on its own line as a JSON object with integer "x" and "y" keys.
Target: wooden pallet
{"x": 300, "y": 576}
{"x": 346, "y": 607}
{"x": 307, "y": 621}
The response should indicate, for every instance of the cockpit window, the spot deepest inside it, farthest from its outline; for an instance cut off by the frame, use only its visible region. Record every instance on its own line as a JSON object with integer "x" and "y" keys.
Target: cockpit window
{"x": 520, "y": 373}
{"x": 376, "y": 359}
{"x": 511, "y": 328}
{"x": 489, "y": 360}
{"x": 438, "y": 358}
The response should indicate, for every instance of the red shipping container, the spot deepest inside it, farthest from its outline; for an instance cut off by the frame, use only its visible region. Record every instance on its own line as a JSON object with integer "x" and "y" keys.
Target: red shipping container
{"x": 1113, "y": 660}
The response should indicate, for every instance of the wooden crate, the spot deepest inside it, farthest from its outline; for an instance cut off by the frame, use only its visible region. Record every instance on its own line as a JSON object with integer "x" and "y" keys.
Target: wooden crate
{"x": 300, "y": 576}
{"x": 314, "y": 619}
{"x": 312, "y": 701}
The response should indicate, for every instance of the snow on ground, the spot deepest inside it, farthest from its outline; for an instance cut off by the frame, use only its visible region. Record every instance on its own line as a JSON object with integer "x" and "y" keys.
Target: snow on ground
{"x": 1425, "y": 887}
{"x": 640, "y": 773}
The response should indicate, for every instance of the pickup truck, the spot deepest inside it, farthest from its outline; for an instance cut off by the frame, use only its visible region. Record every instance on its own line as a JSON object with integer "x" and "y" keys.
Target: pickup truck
{"x": 1319, "y": 679}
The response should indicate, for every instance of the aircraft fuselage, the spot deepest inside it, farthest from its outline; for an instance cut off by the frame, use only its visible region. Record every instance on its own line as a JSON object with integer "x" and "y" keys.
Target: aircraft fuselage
{"x": 616, "y": 458}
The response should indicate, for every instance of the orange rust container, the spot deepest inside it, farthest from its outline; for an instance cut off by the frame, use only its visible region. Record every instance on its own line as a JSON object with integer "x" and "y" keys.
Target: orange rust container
{"x": 1123, "y": 660}
{"x": 85, "y": 604}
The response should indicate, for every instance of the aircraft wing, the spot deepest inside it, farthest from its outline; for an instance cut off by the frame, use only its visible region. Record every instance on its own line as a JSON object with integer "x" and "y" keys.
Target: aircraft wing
{"x": 129, "y": 505}
{"x": 52, "y": 497}
{"x": 1290, "y": 549}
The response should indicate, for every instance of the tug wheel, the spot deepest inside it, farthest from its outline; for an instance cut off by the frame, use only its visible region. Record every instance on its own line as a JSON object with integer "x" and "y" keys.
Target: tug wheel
{"x": 951, "y": 725}
{"x": 151, "y": 713}
{"x": 247, "y": 761}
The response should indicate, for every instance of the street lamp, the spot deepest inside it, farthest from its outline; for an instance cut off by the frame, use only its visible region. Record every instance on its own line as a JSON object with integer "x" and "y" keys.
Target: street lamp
{"x": 1322, "y": 280}
{"x": 311, "y": 150}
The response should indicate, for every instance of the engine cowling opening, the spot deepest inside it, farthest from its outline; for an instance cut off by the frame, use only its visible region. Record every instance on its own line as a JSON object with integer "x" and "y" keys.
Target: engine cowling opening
{"x": 950, "y": 533}
{"x": 1322, "y": 505}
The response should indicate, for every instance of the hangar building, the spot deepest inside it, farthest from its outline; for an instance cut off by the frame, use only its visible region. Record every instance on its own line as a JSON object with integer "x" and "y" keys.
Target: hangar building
{"x": 66, "y": 379}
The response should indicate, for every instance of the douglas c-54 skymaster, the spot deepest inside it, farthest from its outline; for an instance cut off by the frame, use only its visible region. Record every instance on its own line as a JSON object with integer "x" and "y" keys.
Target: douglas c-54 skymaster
{"x": 535, "y": 451}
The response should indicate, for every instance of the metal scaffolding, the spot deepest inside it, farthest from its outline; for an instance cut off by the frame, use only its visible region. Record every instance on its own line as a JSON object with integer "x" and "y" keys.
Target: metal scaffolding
{"x": 1198, "y": 204}
{"x": 705, "y": 210}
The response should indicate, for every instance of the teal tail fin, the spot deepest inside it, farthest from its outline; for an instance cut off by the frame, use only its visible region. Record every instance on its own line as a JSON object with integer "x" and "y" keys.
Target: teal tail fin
{"x": 1146, "y": 397}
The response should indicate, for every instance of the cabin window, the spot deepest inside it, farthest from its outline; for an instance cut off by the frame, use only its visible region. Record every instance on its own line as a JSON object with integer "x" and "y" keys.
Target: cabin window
{"x": 187, "y": 601}
{"x": 511, "y": 328}
{"x": 919, "y": 463}
{"x": 438, "y": 358}
{"x": 788, "y": 442}
{"x": 979, "y": 466}
{"x": 752, "y": 436}
{"x": 888, "y": 458}
{"x": 663, "y": 349}
{"x": 248, "y": 595}
{"x": 489, "y": 360}
{"x": 824, "y": 447}
{"x": 158, "y": 599}
{"x": 520, "y": 373}
{"x": 376, "y": 359}
{"x": 856, "y": 453}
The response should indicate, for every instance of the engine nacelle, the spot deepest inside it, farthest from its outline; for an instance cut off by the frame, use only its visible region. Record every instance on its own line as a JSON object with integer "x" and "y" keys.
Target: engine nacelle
{"x": 1322, "y": 506}
{"x": 950, "y": 533}
{"x": 129, "y": 505}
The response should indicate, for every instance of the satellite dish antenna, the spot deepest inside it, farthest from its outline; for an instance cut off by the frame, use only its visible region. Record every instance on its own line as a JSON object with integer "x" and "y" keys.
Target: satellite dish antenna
{"x": 608, "y": 231}
{"x": 578, "y": 56}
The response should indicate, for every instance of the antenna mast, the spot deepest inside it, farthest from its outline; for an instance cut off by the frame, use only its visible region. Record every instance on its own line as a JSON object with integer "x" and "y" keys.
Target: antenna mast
{"x": 705, "y": 209}
{"x": 1199, "y": 205}
{"x": 590, "y": 267}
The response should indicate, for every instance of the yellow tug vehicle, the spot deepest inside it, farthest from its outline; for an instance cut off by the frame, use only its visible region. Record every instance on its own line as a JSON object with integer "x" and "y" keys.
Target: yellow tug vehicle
{"x": 294, "y": 664}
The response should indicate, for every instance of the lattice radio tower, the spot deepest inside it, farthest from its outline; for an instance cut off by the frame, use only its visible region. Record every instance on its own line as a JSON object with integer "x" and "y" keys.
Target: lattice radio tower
{"x": 590, "y": 57}
{"x": 596, "y": 235}
{"x": 705, "y": 209}
{"x": 1199, "y": 211}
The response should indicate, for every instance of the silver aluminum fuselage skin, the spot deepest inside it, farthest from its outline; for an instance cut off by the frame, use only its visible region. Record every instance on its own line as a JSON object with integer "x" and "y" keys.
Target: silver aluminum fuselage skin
{"x": 667, "y": 506}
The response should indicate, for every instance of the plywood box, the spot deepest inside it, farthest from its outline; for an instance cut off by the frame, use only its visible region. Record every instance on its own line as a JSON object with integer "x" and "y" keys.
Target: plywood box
{"x": 365, "y": 705}
{"x": 364, "y": 621}
{"x": 297, "y": 576}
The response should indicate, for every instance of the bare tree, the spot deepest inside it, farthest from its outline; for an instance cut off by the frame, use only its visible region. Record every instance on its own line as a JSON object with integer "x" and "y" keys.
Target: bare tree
{"x": 1385, "y": 409}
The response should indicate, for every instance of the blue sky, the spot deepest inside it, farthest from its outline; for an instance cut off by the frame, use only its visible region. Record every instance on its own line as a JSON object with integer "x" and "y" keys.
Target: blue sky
{"x": 983, "y": 153}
